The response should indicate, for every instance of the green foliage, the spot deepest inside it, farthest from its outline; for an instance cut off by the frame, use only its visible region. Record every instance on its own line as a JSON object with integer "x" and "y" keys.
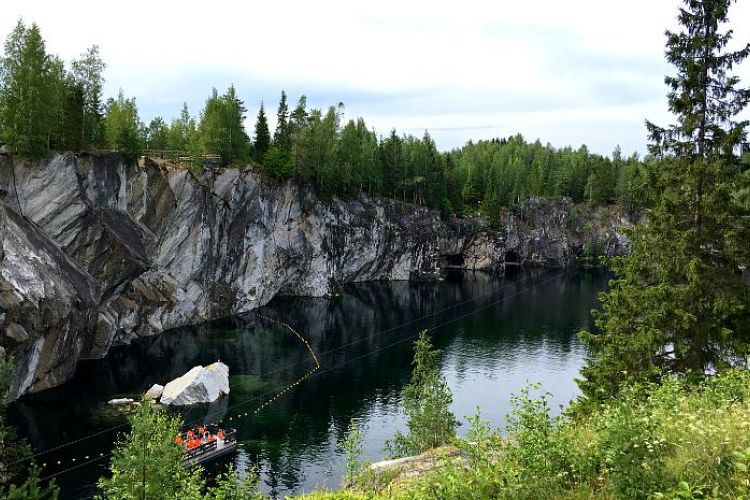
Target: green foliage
{"x": 122, "y": 128}
{"x": 31, "y": 489}
{"x": 182, "y": 136}
{"x": 147, "y": 463}
{"x": 671, "y": 440}
{"x": 679, "y": 303}
{"x": 221, "y": 129}
{"x": 232, "y": 486}
{"x": 352, "y": 446}
{"x": 500, "y": 173}
{"x": 427, "y": 401}
{"x": 15, "y": 455}
{"x": 88, "y": 76}
{"x": 313, "y": 146}
{"x": 157, "y": 134}
{"x": 28, "y": 92}
{"x": 262, "y": 135}
{"x": 282, "y": 137}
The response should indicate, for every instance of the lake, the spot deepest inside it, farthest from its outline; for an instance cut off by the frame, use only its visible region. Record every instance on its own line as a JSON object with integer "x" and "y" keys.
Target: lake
{"x": 497, "y": 333}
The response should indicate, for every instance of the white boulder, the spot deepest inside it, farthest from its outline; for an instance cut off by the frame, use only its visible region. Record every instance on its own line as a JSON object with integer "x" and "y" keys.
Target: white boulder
{"x": 154, "y": 392}
{"x": 199, "y": 385}
{"x": 120, "y": 401}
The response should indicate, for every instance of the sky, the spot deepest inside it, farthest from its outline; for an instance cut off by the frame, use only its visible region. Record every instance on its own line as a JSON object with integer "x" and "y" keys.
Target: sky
{"x": 568, "y": 73}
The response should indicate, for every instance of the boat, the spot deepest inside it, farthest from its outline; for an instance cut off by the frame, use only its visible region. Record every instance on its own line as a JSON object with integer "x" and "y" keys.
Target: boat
{"x": 206, "y": 443}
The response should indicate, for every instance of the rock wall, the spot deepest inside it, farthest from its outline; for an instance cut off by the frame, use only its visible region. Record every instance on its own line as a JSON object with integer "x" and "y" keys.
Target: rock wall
{"x": 95, "y": 251}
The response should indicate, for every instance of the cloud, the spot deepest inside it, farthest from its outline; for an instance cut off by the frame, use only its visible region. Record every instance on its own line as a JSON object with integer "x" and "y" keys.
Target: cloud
{"x": 582, "y": 71}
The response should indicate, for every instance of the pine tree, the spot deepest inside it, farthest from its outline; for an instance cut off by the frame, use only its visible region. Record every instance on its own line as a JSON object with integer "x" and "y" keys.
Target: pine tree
{"x": 262, "y": 136}
{"x": 427, "y": 401}
{"x": 679, "y": 303}
{"x": 147, "y": 463}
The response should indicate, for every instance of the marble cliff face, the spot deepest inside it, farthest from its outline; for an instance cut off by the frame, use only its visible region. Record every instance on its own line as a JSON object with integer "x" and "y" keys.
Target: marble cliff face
{"x": 96, "y": 251}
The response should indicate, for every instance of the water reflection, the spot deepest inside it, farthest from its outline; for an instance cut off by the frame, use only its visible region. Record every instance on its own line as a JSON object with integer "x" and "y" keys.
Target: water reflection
{"x": 496, "y": 332}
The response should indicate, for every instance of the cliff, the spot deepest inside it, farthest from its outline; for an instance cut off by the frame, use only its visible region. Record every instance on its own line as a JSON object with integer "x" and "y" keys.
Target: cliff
{"x": 95, "y": 251}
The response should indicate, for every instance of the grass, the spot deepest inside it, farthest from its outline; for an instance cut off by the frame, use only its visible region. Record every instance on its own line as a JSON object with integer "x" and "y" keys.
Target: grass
{"x": 671, "y": 441}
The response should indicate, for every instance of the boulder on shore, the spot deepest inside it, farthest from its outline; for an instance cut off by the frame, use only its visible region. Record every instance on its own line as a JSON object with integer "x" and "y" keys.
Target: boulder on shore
{"x": 199, "y": 385}
{"x": 154, "y": 392}
{"x": 120, "y": 401}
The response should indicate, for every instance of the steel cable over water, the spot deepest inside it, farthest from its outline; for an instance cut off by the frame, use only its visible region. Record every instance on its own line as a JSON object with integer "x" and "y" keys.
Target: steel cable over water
{"x": 274, "y": 395}
{"x": 277, "y": 370}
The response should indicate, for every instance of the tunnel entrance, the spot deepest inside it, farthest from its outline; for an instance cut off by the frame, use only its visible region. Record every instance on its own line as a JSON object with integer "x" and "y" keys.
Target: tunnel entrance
{"x": 512, "y": 258}
{"x": 454, "y": 261}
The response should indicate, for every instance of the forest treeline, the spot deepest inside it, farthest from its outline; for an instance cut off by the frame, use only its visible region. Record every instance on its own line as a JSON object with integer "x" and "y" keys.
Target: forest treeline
{"x": 46, "y": 106}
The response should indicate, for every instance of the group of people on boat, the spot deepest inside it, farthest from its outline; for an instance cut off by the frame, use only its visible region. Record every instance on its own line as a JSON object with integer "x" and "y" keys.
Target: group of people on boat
{"x": 194, "y": 438}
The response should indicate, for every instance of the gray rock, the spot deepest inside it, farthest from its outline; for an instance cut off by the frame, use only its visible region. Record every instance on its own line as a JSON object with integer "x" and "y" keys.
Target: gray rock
{"x": 96, "y": 251}
{"x": 154, "y": 392}
{"x": 120, "y": 401}
{"x": 199, "y": 385}
{"x": 16, "y": 332}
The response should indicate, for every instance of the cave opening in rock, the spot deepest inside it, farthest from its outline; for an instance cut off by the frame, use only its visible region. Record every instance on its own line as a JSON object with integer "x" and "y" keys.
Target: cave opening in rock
{"x": 454, "y": 261}
{"x": 512, "y": 258}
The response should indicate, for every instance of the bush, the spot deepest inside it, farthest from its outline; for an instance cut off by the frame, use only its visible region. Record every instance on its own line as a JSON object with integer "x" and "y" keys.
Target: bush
{"x": 688, "y": 437}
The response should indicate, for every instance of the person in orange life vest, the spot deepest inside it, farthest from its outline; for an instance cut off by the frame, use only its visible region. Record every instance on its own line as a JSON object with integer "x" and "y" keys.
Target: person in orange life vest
{"x": 178, "y": 440}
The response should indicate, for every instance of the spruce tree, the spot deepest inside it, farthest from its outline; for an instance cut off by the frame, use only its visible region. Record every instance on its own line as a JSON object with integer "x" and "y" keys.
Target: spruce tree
{"x": 236, "y": 143}
{"x": 298, "y": 120}
{"x": 679, "y": 303}
{"x": 262, "y": 136}
{"x": 427, "y": 401}
{"x": 282, "y": 135}
{"x": 147, "y": 463}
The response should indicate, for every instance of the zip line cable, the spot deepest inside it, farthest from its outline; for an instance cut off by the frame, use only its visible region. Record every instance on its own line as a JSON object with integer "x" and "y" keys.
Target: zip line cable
{"x": 82, "y": 464}
{"x": 315, "y": 371}
{"x": 378, "y": 334}
{"x": 325, "y": 353}
{"x": 370, "y": 353}
{"x": 320, "y": 355}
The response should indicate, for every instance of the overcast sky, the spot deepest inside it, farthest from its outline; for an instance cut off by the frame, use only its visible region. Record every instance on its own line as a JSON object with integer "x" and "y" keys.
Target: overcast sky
{"x": 574, "y": 72}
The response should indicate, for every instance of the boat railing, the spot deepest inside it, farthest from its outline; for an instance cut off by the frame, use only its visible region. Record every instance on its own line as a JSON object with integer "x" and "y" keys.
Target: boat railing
{"x": 199, "y": 450}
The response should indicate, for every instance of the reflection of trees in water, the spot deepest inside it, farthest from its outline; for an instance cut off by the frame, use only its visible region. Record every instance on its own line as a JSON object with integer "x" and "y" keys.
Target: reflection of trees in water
{"x": 545, "y": 315}
{"x": 297, "y": 428}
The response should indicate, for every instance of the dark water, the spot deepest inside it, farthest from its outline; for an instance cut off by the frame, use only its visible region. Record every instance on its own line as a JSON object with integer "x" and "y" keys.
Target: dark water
{"x": 497, "y": 333}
